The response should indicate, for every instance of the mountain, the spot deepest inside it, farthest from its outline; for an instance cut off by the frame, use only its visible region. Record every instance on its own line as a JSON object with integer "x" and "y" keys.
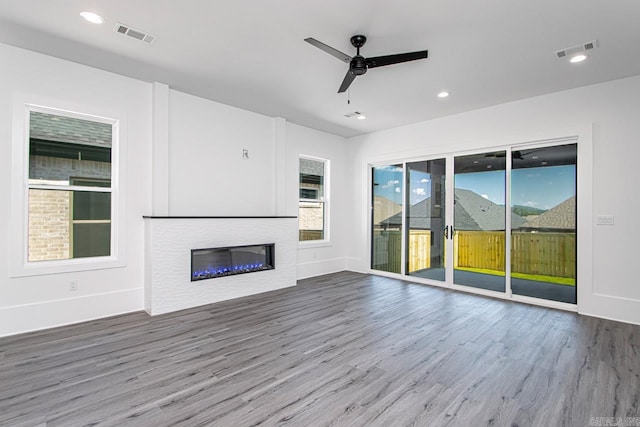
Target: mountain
{"x": 526, "y": 210}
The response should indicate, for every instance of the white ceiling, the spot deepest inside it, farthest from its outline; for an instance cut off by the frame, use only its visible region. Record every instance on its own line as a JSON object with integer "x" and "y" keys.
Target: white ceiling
{"x": 251, "y": 54}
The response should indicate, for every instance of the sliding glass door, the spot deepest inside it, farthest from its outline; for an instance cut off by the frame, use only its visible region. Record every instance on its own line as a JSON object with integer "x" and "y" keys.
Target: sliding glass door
{"x": 446, "y": 220}
{"x": 479, "y": 220}
{"x": 386, "y": 211}
{"x": 425, "y": 219}
{"x": 543, "y": 248}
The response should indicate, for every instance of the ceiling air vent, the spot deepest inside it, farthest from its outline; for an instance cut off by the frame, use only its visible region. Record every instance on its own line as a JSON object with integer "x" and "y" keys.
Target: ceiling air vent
{"x": 580, "y": 48}
{"x": 354, "y": 114}
{"x": 134, "y": 33}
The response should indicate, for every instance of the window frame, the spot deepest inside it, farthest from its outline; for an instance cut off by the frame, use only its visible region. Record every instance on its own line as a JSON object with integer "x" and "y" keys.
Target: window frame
{"x": 19, "y": 264}
{"x": 324, "y": 200}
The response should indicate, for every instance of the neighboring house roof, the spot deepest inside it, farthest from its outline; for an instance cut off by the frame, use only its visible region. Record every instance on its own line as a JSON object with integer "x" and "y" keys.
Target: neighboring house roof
{"x": 560, "y": 217}
{"x": 472, "y": 212}
{"x": 50, "y": 127}
{"x": 384, "y": 208}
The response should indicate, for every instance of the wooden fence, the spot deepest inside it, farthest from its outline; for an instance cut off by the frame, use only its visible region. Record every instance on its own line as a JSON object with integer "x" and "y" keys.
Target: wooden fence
{"x": 388, "y": 246}
{"x": 310, "y": 235}
{"x": 549, "y": 254}
{"x": 420, "y": 249}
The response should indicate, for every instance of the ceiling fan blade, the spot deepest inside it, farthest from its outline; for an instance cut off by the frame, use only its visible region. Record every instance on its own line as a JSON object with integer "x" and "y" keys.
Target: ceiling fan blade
{"x": 348, "y": 79}
{"x": 379, "y": 61}
{"x": 331, "y": 51}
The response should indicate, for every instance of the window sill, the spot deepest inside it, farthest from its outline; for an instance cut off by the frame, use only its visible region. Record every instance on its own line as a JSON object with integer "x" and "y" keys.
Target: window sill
{"x": 38, "y": 268}
{"x": 314, "y": 244}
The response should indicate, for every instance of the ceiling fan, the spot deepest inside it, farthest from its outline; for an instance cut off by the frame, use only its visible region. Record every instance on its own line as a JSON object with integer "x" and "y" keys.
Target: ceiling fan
{"x": 358, "y": 65}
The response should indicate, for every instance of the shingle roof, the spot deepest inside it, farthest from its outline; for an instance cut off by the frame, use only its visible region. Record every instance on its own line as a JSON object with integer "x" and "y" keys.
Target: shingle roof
{"x": 473, "y": 212}
{"x": 478, "y": 213}
{"x": 384, "y": 208}
{"x": 50, "y": 127}
{"x": 560, "y": 217}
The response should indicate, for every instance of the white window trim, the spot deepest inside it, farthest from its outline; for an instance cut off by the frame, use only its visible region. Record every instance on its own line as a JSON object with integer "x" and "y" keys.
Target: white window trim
{"x": 19, "y": 266}
{"x": 326, "y": 200}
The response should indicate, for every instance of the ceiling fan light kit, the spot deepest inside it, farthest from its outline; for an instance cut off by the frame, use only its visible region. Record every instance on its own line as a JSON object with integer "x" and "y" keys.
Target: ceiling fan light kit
{"x": 358, "y": 64}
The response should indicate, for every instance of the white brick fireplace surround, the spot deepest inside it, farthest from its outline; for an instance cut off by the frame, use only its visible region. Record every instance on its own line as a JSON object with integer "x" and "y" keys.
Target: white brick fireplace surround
{"x": 168, "y": 245}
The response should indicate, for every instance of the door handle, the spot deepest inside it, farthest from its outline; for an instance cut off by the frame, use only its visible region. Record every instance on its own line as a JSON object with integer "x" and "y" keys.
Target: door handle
{"x": 446, "y": 232}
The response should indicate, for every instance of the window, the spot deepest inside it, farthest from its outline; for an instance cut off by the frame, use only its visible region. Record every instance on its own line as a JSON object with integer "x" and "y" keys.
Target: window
{"x": 313, "y": 199}
{"x": 69, "y": 187}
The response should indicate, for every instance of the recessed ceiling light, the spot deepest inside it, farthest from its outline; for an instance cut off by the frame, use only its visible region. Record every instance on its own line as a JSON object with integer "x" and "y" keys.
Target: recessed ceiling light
{"x": 94, "y": 18}
{"x": 362, "y": 117}
{"x": 578, "y": 58}
{"x": 443, "y": 94}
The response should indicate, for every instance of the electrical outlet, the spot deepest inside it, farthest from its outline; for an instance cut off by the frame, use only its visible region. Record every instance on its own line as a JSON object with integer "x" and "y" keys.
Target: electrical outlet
{"x": 73, "y": 285}
{"x": 605, "y": 220}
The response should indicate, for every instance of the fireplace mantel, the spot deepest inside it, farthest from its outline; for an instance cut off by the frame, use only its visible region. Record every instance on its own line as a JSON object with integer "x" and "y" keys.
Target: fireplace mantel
{"x": 170, "y": 239}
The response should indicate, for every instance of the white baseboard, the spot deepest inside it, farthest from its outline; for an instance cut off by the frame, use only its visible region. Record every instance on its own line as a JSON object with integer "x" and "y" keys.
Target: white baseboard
{"x": 318, "y": 268}
{"x": 609, "y": 307}
{"x": 50, "y": 314}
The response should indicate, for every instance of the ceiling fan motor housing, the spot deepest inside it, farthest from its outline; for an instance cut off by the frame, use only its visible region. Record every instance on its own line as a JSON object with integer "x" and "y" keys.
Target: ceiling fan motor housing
{"x": 358, "y": 65}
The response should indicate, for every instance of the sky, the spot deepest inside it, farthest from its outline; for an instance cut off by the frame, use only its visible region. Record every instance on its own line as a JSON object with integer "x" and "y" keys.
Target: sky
{"x": 541, "y": 188}
{"x": 388, "y": 183}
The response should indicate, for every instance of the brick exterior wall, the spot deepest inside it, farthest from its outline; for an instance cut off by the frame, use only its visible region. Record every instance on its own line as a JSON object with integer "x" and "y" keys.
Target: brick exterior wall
{"x": 50, "y": 210}
{"x": 49, "y": 225}
{"x": 310, "y": 216}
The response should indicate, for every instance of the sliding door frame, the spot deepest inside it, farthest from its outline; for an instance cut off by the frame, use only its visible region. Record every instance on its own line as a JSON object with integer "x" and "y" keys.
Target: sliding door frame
{"x": 583, "y": 173}
{"x": 579, "y": 183}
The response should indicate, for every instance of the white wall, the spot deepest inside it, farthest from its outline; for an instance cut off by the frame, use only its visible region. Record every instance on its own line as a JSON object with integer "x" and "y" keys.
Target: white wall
{"x": 197, "y": 145}
{"x": 207, "y": 173}
{"x": 605, "y": 113}
{"x": 317, "y": 259}
{"x": 41, "y": 301}
{"x": 209, "y": 177}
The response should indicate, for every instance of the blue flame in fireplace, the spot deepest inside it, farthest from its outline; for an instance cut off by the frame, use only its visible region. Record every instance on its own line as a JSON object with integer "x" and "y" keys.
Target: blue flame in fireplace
{"x": 210, "y": 271}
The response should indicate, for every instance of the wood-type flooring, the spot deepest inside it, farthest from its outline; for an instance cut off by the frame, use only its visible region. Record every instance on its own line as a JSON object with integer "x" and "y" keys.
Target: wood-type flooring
{"x": 344, "y": 349}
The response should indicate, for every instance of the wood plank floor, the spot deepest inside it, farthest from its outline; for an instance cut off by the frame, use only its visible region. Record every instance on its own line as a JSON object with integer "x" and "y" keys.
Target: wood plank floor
{"x": 343, "y": 349}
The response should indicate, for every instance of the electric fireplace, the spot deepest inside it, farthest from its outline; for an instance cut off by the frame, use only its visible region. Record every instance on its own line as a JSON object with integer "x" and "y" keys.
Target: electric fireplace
{"x": 222, "y": 262}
